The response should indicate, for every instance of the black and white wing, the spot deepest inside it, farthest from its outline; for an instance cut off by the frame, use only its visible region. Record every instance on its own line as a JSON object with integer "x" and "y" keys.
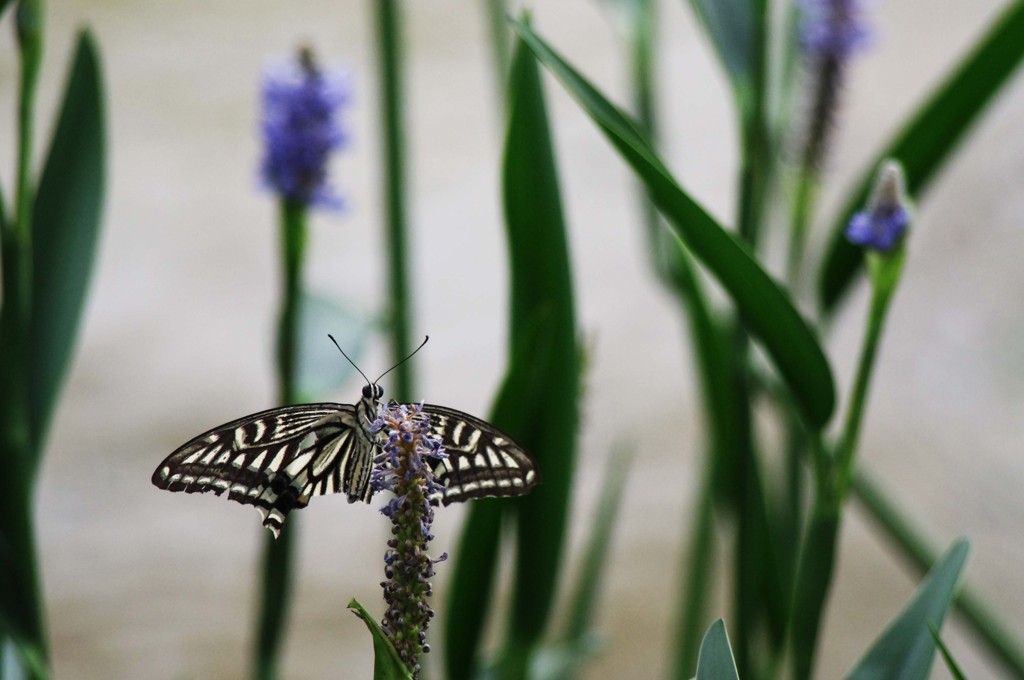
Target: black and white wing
{"x": 277, "y": 459}
{"x": 482, "y": 461}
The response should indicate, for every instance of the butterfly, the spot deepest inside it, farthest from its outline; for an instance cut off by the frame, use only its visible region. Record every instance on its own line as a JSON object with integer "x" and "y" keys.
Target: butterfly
{"x": 278, "y": 459}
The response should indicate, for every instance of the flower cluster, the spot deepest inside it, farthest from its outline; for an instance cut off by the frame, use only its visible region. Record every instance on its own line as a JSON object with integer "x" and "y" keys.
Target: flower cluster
{"x": 833, "y": 28}
{"x": 404, "y": 467}
{"x": 883, "y": 224}
{"x": 301, "y": 128}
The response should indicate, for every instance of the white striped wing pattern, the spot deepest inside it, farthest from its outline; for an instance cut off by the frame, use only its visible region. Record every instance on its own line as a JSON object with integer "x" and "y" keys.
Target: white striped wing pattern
{"x": 278, "y": 459}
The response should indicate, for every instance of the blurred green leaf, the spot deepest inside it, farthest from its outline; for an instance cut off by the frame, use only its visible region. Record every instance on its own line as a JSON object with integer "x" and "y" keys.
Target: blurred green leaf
{"x": 947, "y": 656}
{"x": 715, "y": 661}
{"x": 387, "y": 665}
{"x": 538, "y": 403}
{"x": 906, "y": 650}
{"x": 472, "y": 587}
{"x": 765, "y": 308}
{"x": 729, "y": 25}
{"x": 813, "y": 584}
{"x": 928, "y": 138}
{"x": 321, "y": 369}
{"x": 563, "y": 661}
{"x": 66, "y": 220}
{"x": 588, "y": 582}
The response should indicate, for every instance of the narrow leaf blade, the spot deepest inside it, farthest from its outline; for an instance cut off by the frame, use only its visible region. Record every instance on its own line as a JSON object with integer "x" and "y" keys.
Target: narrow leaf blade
{"x": 715, "y": 661}
{"x": 951, "y": 665}
{"x": 765, "y": 308}
{"x": 387, "y": 665}
{"x": 906, "y": 650}
{"x": 472, "y": 587}
{"x": 66, "y": 220}
{"x": 538, "y": 404}
{"x": 588, "y": 582}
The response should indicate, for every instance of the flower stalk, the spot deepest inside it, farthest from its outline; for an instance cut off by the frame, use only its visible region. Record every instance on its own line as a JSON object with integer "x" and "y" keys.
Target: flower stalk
{"x": 301, "y": 130}
{"x": 881, "y": 229}
{"x": 830, "y": 33}
{"x": 405, "y": 467}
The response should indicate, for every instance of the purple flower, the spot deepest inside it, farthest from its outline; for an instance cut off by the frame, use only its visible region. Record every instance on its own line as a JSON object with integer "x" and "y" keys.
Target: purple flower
{"x": 884, "y": 223}
{"x": 833, "y": 28}
{"x": 301, "y": 128}
{"x": 405, "y": 467}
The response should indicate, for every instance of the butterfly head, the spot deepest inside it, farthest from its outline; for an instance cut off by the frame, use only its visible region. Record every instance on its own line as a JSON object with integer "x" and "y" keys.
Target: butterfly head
{"x": 373, "y": 391}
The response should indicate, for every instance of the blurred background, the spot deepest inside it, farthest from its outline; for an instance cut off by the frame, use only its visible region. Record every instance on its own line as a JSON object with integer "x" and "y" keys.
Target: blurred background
{"x": 178, "y": 330}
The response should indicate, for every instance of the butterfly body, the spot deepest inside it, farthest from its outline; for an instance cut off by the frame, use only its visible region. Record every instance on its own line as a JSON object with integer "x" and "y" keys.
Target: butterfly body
{"x": 278, "y": 459}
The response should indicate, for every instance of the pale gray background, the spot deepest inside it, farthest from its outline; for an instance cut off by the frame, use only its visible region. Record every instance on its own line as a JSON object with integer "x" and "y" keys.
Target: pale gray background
{"x": 145, "y": 584}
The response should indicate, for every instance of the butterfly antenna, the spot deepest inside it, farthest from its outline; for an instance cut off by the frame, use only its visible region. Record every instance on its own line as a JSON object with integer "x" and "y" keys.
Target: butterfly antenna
{"x": 350, "y": 360}
{"x": 411, "y": 355}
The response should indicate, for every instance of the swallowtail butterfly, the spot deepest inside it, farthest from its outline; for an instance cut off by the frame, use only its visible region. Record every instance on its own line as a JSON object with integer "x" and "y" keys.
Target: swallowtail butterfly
{"x": 278, "y": 459}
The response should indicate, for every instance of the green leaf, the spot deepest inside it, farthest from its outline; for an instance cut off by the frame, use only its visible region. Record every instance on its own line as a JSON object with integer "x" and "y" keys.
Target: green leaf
{"x": 588, "y": 583}
{"x": 538, "y": 404}
{"x": 906, "y": 650}
{"x": 947, "y": 656}
{"x": 765, "y": 308}
{"x": 66, "y": 221}
{"x": 469, "y": 600}
{"x": 387, "y": 665}
{"x": 32, "y": 659}
{"x": 729, "y": 25}
{"x": 321, "y": 369}
{"x": 715, "y": 661}
{"x": 928, "y": 138}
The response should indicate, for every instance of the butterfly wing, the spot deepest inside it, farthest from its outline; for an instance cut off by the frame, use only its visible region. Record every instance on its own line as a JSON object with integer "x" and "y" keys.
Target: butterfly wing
{"x": 276, "y": 459}
{"x": 482, "y": 460}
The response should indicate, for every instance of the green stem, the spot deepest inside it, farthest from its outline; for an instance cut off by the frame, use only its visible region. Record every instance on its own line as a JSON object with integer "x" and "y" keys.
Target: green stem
{"x": 755, "y": 169}
{"x": 642, "y": 46}
{"x": 847, "y": 447}
{"x": 696, "y": 577}
{"x": 293, "y": 249}
{"x": 806, "y": 198}
{"x": 1001, "y": 643}
{"x": 278, "y": 554}
{"x": 389, "y": 43}
{"x": 501, "y": 43}
{"x": 29, "y": 26}
{"x": 814, "y": 578}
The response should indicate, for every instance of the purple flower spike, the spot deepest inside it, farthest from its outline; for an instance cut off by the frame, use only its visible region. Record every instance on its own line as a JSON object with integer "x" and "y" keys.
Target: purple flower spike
{"x": 405, "y": 467}
{"x": 301, "y": 128}
{"x": 833, "y": 28}
{"x": 884, "y": 223}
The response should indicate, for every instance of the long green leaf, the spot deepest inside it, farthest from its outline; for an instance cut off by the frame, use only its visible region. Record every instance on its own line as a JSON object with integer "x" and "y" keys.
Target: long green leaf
{"x": 715, "y": 661}
{"x": 766, "y": 309}
{"x": 906, "y": 650}
{"x": 472, "y": 587}
{"x": 66, "y": 220}
{"x": 951, "y": 665}
{"x": 387, "y": 664}
{"x": 928, "y": 138}
{"x": 539, "y": 401}
{"x": 588, "y": 583}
